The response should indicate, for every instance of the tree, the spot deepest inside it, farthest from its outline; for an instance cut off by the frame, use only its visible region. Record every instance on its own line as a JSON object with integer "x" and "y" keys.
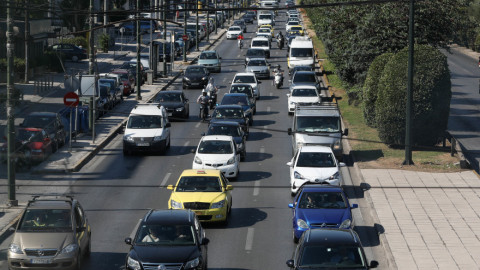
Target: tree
{"x": 74, "y": 13}
{"x": 431, "y": 97}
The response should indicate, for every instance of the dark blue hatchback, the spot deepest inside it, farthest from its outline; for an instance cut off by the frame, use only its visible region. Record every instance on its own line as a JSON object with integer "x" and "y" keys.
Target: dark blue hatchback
{"x": 242, "y": 100}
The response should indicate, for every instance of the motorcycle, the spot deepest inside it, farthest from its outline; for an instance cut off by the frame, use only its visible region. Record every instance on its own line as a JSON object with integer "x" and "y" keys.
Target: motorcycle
{"x": 280, "y": 43}
{"x": 212, "y": 99}
{"x": 278, "y": 79}
{"x": 240, "y": 44}
{"x": 203, "y": 111}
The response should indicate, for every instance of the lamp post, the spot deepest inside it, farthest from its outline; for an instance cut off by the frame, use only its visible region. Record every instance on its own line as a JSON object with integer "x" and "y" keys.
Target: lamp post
{"x": 409, "y": 106}
{"x": 216, "y": 16}
{"x": 196, "y": 26}
{"x": 208, "y": 21}
{"x": 137, "y": 79}
{"x": 185, "y": 33}
{"x": 164, "y": 17}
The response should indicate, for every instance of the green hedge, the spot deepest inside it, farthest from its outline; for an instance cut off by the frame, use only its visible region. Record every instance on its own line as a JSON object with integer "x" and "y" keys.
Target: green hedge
{"x": 370, "y": 88}
{"x": 18, "y": 65}
{"x": 431, "y": 97}
{"x": 79, "y": 41}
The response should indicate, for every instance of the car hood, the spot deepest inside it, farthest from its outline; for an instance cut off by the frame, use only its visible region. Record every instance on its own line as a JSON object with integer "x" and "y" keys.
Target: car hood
{"x": 234, "y": 32}
{"x": 151, "y": 132}
{"x": 164, "y": 254}
{"x": 255, "y": 68}
{"x": 254, "y": 85}
{"x": 241, "y": 121}
{"x": 301, "y": 61}
{"x": 168, "y": 104}
{"x": 320, "y": 216}
{"x": 214, "y": 158}
{"x": 304, "y": 99}
{"x": 43, "y": 240}
{"x": 316, "y": 173}
{"x": 207, "y": 61}
{"x": 195, "y": 76}
{"x": 320, "y": 138}
{"x": 206, "y": 197}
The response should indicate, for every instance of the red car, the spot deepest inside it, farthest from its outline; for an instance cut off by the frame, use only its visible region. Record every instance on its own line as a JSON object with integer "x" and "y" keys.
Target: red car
{"x": 37, "y": 142}
{"x": 128, "y": 80}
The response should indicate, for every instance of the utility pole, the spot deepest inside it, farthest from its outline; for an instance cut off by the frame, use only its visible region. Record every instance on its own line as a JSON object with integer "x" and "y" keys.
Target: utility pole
{"x": 12, "y": 201}
{"x": 105, "y": 21}
{"x": 185, "y": 32}
{"x": 408, "y": 119}
{"x": 216, "y": 16}
{"x": 164, "y": 14}
{"x": 208, "y": 21}
{"x": 91, "y": 41}
{"x": 138, "y": 81}
{"x": 196, "y": 26}
{"x": 229, "y": 14}
{"x": 27, "y": 39}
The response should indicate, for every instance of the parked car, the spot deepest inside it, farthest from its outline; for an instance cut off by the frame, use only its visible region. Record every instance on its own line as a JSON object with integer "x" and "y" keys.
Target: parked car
{"x": 321, "y": 207}
{"x": 174, "y": 102}
{"x": 195, "y": 76}
{"x": 233, "y": 129}
{"x": 132, "y": 67}
{"x": 49, "y": 121}
{"x": 127, "y": 79}
{"x": 52, "y": 233}
{"x": 211, "y": 60}
{"x": 37, "y": 145}
{"x": 330, "y": 248}
{"x": 115, "y": 94}
{"x": 231, "y": 113}
{"x": 168, "y": 237}
{"x": 70, "y": 51}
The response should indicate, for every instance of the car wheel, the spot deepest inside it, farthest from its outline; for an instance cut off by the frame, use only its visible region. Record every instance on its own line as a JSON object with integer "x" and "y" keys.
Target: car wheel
{"x": 225, "y": 222}
{"x": 168, "y": 145}
{"x": 79, "y": 261}
{"x": 89, "y": 247}
{"x": 242, "y": 156}
{"x": 75, "y": 58}
{"x": 126, "y": 152}
{"x": 295, "y": 239}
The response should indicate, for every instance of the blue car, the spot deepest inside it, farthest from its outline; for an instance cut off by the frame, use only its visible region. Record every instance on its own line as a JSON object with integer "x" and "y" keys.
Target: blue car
{"x": 242, "y": 100}
{"x": 320, "y": 207}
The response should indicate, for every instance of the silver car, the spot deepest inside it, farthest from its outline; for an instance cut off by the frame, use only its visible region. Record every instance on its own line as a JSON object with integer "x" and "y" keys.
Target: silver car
{"x": 211, "y": 60}
{"x": 259, "y": 66}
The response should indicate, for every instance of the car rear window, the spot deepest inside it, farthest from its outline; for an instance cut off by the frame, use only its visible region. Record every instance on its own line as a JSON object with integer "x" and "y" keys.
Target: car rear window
{"x": 259, "y": 43}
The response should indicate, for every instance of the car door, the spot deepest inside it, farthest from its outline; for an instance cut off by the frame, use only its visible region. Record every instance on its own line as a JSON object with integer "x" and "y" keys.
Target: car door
{"x": 225, "y": 183}
{"x": 81, "y": 230}
{"x": 166, "y": 128}
{"x": 185, "y": 103}
{"x": 293, "y": 166}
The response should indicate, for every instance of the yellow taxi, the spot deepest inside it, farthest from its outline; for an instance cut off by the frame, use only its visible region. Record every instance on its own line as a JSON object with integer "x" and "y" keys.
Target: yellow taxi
{"x": 269, "y": 27}
{"x": 298, "y": 29}
{"x": 207, "y": 192}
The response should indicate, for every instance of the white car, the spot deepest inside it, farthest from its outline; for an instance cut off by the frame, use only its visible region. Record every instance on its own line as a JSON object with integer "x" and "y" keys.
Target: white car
{"x": 233, "y": 32}
{"x": 314, "y": 164}
{"x": 248, "y": 78}
{"x": 262, "y": 43}
{"x": 302, "y": 94}
{"x": 290, "y": 24}
{"x": 218, "y": 152}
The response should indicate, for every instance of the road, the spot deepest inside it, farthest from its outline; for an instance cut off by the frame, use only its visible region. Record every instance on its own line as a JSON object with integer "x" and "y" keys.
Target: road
{"x": 116, "y": 191}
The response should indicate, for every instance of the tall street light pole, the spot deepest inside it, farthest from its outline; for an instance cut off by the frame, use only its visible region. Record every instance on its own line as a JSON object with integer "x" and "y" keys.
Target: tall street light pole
{"x": 216, "y": 16}
{"x": 12, "y": 201}
{"x": 208, "y": 21}
{"x": 185, "y": 32}
{"x": 91, "y": 41}
{"x": 138, "y": 81}
{"x": 164, "y": 14}
{"x": 408, "y": 120}
{"x": 27, "y": 39}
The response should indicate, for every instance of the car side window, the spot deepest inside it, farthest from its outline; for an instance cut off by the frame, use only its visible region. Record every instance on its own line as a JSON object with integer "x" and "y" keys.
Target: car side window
{"x": 224, "y": 181}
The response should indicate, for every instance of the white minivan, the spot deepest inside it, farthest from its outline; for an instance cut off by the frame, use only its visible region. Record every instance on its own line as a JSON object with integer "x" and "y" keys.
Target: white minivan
{"x": 301, "y": 52}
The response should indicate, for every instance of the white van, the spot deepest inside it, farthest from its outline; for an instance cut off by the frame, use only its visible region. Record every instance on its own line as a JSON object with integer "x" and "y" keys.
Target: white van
{"x": 266, "y": 18}
{"x": 147, "y": 129}
{"x": 301, "y": 52}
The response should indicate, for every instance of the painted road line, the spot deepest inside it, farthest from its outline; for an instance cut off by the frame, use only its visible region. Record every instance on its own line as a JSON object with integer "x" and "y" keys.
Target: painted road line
{"x": 197, "y": 125}
{"x": 165, "y": 179}
{"x": 256, "y": 188}
{"x": 249, "y": 241}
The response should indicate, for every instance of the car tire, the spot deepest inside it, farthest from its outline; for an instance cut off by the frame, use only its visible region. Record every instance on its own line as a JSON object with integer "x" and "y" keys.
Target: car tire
{"x": 243, "y": 156}
{"x": 75, "y": 58}
{"x": 295, "y": 239}
{"x": 168, "y": 145}
{"x": 89, "y": 247}
{"x": 78, "y": 266}
{"x": 126, "y": 152}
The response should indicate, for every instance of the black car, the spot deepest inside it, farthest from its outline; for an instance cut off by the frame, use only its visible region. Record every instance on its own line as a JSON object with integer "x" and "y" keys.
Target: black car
{"x": 242, "y": 100}
{"x": 304, "y": 78}
{"x": 50, "y": 122}
{"x": 245, "y": 89}
{"x": 168, "y": 239}
{"x": 300, "y": 68}
{"x": 330, "y": 249}
{"x": 174, "y": 102}
{"x": 254, "y": 53}
{"x": 248, "y": 18}
{"x": 242, "y": 25}
{"x": 132, "y": 66}
{"x": 233, "y": 113}
{"x": 233, "y": 129}
{"x": 195, "y": 76}
{"x": 70, "y": 51}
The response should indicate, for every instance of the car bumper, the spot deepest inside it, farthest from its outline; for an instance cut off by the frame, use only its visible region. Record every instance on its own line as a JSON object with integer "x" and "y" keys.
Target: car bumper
{"x": 152, "y": 147}
{"x": 198, "y": 84}
{"x": 211, "y": 215}
{"x": 262, "y": 75}
{"x": 230, "y": 171}
{"x": 296, "y": 184}
{"x": 232, "y": 36}
{"x": 26, "y": 262}
{"x": 212, "y": 68}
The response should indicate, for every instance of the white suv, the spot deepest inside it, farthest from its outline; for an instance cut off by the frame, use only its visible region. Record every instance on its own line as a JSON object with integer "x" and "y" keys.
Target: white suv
{"x": 218, "y": 152}
{"x": 314, "y": 165}
{"x": 263, "y": 43}
{"x": 147, "y": 130}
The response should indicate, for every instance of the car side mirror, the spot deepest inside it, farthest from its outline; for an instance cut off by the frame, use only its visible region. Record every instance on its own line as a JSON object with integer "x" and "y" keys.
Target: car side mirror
{"x": 167, "y": 125}
{"x": 373, "y": 264}
{"x": 128, "y": 241}
{"x": 290, "y": 205}
{"x": 289, "y": 164}
{"x": 259, "y": 82}
{"x": 220, "y": 58}
{"x": 193, "y": 151}
{"x": 289, "y": 131}
{"x": 205, "y": 241}
{"x": 345, "y": 132}
{"x": 229, "y": 187}
{"x": 81, "y": 229}
{"x": 170, "y": 187}
{"x": 290, "y": 263}
{"x": 21, "y": 124}
{"x": 289, "y": 81}
{"x": 354, "y": 206}
{"x": 11, "y": 229}
{"x": 47, "y": 139}
{"x": 342, "y": 164}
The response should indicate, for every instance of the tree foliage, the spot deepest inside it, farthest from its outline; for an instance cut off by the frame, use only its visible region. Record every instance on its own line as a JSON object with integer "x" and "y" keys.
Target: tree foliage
{"x": 431, "y": 97}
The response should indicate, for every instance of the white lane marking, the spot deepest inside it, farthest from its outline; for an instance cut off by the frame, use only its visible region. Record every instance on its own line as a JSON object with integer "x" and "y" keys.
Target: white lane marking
{"x": 256, "y": 189}
{"x": 197, "y": 125}
{"x": 271, "y": 94}
{"x": 249, "y": 242}
{"x": 269, "y": 109}
{"x": 224, "y": 79}
{"x": 165, "y": 179}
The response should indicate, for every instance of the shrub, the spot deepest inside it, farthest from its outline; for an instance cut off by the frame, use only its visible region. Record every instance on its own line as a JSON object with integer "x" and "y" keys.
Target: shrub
{"x": 431, "y": 97}
{"x": 370, "y": 88}
{"x": 18, "y": 65}
{"x": 79, "y": 41}
{"x": 103, "y": 42}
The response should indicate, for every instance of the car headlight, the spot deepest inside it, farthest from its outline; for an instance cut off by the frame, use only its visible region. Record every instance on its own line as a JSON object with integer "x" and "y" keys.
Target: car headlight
{"x": 133, "y": 263}
{"x": 335, "y": 176}
{"x": 179, "y": 109}
{"x": 69, "y": 249}
{"x": 204, "y": 78}
{"x": 219, "y": 204}
{"x": 302, "y": 224}
{"x": 193, "y": 263}
{"x": 186, "y": 79}
{"x": 346, "y": 224}
{"x": 337, "y": 145}
{"x": 128, "y": 138}
{"x": 175, "y": 204}
{"x": 292, "y": 103}
{"x": 231, "y": 161}
{"x": 297, "y": 175}
{"x": 14, "y": 248}
{"x": 197, "y": 160}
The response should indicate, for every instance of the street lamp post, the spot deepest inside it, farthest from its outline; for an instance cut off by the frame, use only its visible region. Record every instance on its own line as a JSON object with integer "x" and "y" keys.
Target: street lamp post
{"x": 164, "y": 17}
{"x": 196, "y": 26}
{"x": 137, "y": 79}
{"x": 208, "y": 22}
{"x": 185, "y": 33}
{"x": 409, "y": 106}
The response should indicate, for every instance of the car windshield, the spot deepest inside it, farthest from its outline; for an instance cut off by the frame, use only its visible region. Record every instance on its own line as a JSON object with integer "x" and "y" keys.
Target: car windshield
{"x": 298, "y": 92}
{"x": 38, "y": 121}
{"x": 236, "y": 28}
{"x": 301, "y": 68}
{"x": 318, "y": 124}
{"x": 199, "y": 184}
{"x": 258, "y": 52}
{"x": 301, "y": 52}
{"x": 333, "y": 256}
{"x": 195, "y": 70}
{"x": 208, "y": 55}
{"x": 245, "y": 89}
{"x": 293, "y": 23}
{"x": 103, "y": 90}
{"x": 236, "y": 100}
{"x": 124, "y": 77}
{"x": 260, "y": 43}
{"x": 227, "y": 113}
{"x": 144, "y": 121}
{"x": 233, "y": 131}
{"x": 29, "y": 135}
{"x": 244, "y": 79}
{"x": 165, "y": 235}
{"x": 316, "y": 160}
{"x": 256, "y": 63}
{"x": 169, "y": 97}
{"x": 322, "y": 200}
{"x": 296, "y": 28}
{"x": 51, "y": 220}
{"x": 265, "y": 16}
{"x": 238, "y": 22}
{"x": 215, "y": 147}
{"x": 264, "y": 30}
{"x": 304, "y": 77}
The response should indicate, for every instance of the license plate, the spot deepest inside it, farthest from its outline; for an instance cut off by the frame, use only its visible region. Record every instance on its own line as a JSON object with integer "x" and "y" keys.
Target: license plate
{"x": 41, "y": 261}
{"x": 170, "y": 114}
{"x": 195, "y": 83}
{"x": 143, "y": 144}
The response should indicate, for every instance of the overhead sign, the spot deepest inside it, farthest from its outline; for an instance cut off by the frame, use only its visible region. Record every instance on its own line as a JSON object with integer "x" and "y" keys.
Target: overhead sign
{"x": 71, "y": 99}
